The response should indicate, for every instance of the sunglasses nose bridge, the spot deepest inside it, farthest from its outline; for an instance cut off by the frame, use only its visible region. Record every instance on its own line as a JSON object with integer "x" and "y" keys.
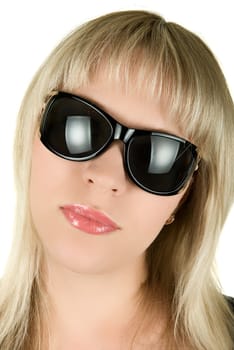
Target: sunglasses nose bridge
{"x": 122, "y": 133}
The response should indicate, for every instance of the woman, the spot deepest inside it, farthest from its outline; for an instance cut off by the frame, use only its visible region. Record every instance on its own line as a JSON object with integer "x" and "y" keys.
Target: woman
{"x": 123, "y": 189}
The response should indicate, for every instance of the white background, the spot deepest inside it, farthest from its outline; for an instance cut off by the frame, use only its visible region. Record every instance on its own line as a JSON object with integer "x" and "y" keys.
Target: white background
{"x": 28, "y": 32}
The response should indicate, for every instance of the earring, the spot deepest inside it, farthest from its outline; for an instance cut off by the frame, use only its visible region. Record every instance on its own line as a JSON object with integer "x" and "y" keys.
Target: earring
{"x": 170, "y": 220}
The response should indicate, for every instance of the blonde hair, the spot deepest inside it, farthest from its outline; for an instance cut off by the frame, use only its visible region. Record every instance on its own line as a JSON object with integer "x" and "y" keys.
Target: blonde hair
{"x": 166, "y": 61}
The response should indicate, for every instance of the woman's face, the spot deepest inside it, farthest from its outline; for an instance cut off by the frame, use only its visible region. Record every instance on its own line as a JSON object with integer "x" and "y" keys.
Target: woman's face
{"x": 101, "y": 184}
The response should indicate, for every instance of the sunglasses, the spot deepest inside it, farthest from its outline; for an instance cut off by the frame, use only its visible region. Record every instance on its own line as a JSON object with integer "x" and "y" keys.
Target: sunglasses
{"x": 75, "y": 129}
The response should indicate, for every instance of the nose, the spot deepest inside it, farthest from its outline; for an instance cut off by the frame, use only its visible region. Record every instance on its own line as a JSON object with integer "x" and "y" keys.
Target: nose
{"x": 105, "y": 173}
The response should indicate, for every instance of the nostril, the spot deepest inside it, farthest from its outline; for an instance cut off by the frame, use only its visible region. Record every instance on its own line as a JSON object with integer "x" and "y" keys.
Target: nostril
{"x": 90, "y": 181}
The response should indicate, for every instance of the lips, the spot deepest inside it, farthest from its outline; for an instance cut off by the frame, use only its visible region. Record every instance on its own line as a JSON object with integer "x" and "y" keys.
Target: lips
{"x": 88, "y": 220}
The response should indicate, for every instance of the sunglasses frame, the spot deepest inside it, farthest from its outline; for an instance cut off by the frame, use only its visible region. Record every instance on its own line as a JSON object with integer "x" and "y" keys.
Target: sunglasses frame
{"x": 119, "y": 132}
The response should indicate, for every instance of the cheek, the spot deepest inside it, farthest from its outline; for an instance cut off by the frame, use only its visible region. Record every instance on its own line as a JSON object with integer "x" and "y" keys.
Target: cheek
{"x": 44, "y": 170}
{"x": 46, "y": 185}
{"x": 162, "y": 207}
{"x": 147, "y": 216}
{"x": 52, "y": 179}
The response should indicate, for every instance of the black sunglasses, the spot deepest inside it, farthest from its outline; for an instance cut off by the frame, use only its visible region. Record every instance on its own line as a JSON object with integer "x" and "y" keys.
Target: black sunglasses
{"x": 75, "y": 129}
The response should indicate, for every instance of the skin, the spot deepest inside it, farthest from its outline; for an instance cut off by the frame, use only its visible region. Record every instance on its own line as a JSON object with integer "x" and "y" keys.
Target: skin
{"x": 93, "y": 280}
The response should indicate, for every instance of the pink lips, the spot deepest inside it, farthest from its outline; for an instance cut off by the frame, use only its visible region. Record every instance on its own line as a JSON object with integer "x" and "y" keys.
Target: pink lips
{"x": 87, "y": 219}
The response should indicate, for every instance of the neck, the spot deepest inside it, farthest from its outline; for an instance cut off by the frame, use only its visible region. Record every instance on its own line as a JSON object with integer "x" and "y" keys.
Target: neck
{"x": 97, "y": 304}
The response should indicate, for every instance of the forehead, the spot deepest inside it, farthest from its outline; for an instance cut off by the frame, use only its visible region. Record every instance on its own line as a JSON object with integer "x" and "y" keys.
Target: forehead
{"x": 131, "y": 107}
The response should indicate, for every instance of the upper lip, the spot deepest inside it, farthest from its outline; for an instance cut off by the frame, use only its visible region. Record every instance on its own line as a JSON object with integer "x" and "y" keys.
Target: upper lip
{"x": 90, "y": 213}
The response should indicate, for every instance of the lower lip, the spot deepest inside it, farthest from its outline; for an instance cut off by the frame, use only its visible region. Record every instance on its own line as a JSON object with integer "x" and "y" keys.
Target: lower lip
{"x": 85, "y": 224}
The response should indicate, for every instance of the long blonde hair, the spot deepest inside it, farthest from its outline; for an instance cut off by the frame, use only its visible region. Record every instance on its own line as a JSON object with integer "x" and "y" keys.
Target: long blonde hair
{"x": 165, "y": 61}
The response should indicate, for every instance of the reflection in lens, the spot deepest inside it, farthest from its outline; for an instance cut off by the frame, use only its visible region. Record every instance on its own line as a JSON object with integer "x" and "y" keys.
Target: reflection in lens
{"x": 163, "y": 154}
{"x": 78, "y": 134}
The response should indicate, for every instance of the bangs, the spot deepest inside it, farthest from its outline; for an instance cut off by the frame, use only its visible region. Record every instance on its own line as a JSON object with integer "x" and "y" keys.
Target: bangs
{"x": 160, "y": 60}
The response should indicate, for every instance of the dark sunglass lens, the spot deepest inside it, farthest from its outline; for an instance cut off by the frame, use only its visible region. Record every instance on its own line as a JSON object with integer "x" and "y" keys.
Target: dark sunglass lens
{"x": 74, "y": 129}
{"x": 160, "y": 164}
